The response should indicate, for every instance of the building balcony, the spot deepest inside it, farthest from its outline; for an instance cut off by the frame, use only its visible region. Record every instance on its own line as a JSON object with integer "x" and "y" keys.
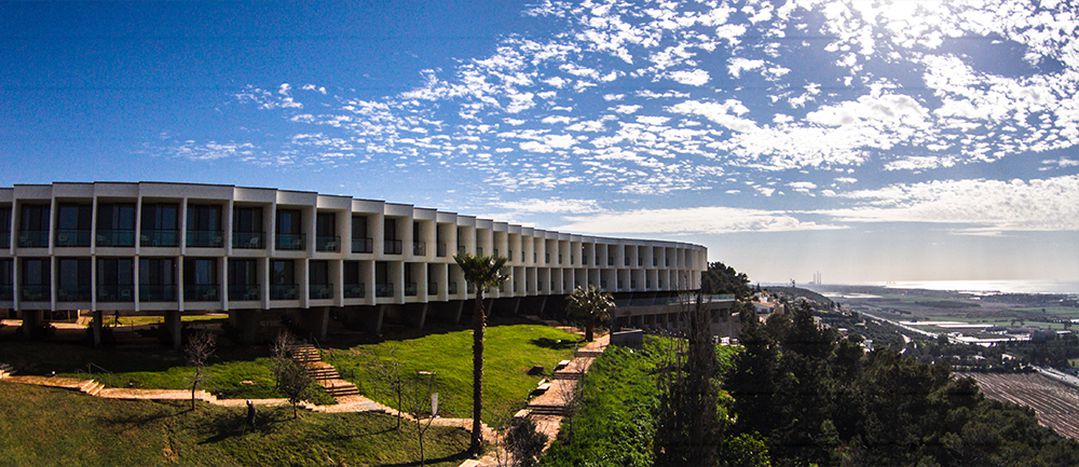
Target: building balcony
{"x": 159, "y": 238}
{"x": 419, "y": 249}
{"x": 327, "y": 243}
{"x": 363, "y": 245}
{"x": 35, "y": 293}
{"x": 157, "y": 293}
{"x": 73, "y": 294}
{"x": 494, "y": 252}
{"x": 116, "y": 238}
{"x": 355, "y": 290}
{"x": 440, "y": 250}
{"x": 391, "y": 247}
{"x": 248, "y": 240}
{"x": 546, "y": 258}
{"x": 452, "y": 289}
{"x": 202, "y": 292}
{"x": 461, "y": 250}
{"x": 411, "y": 289}
{"x": 384, "y": 290}
{"x": 320, "y": 291}
{"x": 291, "y": 242}
{"x": 205, "y": 239}
{"x": 244, "y": 292}
{"x": 479, "y": 250}
{"x": 33, "y": 239}
{"x": 284, "y": 292}
{"x": 610, "y": 261}
{"x": 115, "y": 293}
{"x": 432, "y": 288}
{"x": 73, "y": 238}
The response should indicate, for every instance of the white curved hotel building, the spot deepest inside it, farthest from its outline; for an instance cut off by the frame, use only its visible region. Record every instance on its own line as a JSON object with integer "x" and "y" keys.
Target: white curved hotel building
{"x": 170, "y": 248}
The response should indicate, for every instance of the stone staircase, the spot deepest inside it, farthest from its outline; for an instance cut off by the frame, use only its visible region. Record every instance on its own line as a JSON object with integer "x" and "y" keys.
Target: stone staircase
{"x": 91, "y": 387}
{"x": 548, "y": 409}
{"x": 325, "y": 374}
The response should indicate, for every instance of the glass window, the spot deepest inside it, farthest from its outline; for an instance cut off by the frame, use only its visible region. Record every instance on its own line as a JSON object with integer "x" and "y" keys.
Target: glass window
{"x": 243, "y": 272}
{"x": 288, "y": 221}
{"x": 200, "y": 271}
{"x": 116, "y": 217}
{"x": 247, "y": 220}
{"x": 204, "y": 218}
{"x": 74, "y": 217}
{"x": 390, "y": 229}
{"x": 352, "y": 272}
{"x": 34, "y": 218}
{"x": 115, "y": 271}
{"x": 320, "y": 272}
{"x": 159, "y": 216}
{"x": 157, "y": 271}
{"x": 283, "y": 272}
{"x": 326, "y": 225}
{"x": 359, "y": 226}
{"x": 35, "y": 272}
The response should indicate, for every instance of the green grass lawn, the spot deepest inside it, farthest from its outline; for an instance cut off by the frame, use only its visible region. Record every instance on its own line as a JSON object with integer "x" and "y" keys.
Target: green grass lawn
{"x": 159, "y": 368}
{"x": 614, "y": 423}
{"x": 144, "y": 320}
{"x": 43, "y": 426}
{"x": 509, "y": 351}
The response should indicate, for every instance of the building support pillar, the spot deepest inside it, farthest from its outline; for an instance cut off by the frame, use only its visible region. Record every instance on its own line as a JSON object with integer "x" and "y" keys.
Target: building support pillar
{"x": 246, "y": 323}
{"x": 460, "y": 311}
{"x": 174, "y": 327}
{"x": 316, "y": 321}
{"x": 516, "y": 306}
{"x": 31, "y": 319}
{"x": 95, "y": 328}
{"x": 416, "y": 314}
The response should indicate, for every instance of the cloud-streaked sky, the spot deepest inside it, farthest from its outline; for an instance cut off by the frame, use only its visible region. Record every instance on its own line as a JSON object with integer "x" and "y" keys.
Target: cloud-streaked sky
{"x": 869, "y": 140}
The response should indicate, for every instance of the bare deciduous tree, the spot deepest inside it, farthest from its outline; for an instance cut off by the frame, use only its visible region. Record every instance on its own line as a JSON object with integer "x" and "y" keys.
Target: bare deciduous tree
{"x": 200, "y": 347}
{"x": 290, "y": 377}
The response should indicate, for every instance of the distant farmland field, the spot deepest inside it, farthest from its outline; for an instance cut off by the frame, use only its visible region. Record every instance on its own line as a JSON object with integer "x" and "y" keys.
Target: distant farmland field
{"x": 1056, "y": 404}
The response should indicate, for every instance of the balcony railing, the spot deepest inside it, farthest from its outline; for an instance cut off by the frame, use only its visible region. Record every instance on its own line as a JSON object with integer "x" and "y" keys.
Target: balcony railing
{"x": 495, "y": 252}
{"x": 115, "y": 293}
{"x": 432, "y": 288}
{"x": 33, "y": 238}
{"x": 320, "y": 291}
{"x": 205, "y": 239}
{"x": 627, "y": 261}
{"x": 73, "y": 294}
{"x": 157, "y": 293}
{"x": 244, "y": 292}
{"x": 283, "y": 292}
{"x": 116, "y": 238}
{"x": 440, "y": 250}
{"x": 327, "y": 243}
{"x": 34, "y": 293}
{"x": 291, "y": 242}
{"x": 391, "y": 247}
{"x": 248, "y": 240}
{"x": 452, "y": 289}
{"x": 7, "y": 293}
{"x": 479, "y": 250}
{"x": 201, "y": 292}
{"x": 384, "y": 290}
{"x": 419, "y": 249}
{"x": 72, "y": 238}
{"x": 355, "y": 290}
{"x": 159, "y": 238}
{"x": 410, "y": 289}
{"x": 546, "y": 258}
{"x": 461, "y": 249}
{"x": 362, "y": 245}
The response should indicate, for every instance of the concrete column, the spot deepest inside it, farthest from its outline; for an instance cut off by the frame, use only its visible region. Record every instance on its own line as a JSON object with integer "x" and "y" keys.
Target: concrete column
{"x": 460, "y": 310}
{"x": 516, "y": 306}
{"x": 246, "y": 323}
{"x": 416, "y": 314}
{"x": 30, "y": 320}
{"x": 316, "y": 321}
{"x": 95, "y": 326}
{"x": 373, "y": 323}
{"x": 174, "y": 328}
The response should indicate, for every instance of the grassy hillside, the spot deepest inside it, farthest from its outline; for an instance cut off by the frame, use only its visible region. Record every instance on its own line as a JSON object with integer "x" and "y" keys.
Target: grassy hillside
{"x": 614, "y": 423}
{"x": 510, "y": 350}
{"x": 56, "y": 427}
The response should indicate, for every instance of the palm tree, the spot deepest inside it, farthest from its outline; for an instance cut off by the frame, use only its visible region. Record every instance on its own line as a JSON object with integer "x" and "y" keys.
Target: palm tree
{"x": 482, "y": 272}
{"x": 590, "y": 305}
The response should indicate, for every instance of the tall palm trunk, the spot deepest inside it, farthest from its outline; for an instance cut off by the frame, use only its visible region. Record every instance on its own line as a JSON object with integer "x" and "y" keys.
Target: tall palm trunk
{"x": 589, "y": 329}
{"x": 479, "y": 322}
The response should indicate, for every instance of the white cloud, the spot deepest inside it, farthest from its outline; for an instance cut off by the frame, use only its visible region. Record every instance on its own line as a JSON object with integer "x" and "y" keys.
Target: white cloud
{"x": 979, "y": 205}
{"x": 920, "y": 163}
{"x": 736, "y": 65}
{"x": 691, "y": 77}
{"x": 697, "y": 220}
{"x": 551, "y": 206}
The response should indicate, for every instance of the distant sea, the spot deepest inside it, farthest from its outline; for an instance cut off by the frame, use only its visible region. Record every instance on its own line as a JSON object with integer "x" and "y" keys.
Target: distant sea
{"x": 1003, "y": 286}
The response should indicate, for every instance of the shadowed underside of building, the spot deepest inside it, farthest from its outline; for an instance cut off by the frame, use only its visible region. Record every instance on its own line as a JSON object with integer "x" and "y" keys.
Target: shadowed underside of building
{"x": 268, "y": 256}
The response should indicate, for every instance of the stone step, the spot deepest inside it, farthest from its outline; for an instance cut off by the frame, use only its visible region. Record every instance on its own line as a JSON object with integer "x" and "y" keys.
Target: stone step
{"x": 568, "y": 375}
{"x": 343, "y": 391}
{"x": 543, "y": 409}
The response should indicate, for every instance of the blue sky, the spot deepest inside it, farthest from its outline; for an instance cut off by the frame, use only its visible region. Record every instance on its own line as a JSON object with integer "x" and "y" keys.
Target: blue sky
{"x": 868, "y": 140}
